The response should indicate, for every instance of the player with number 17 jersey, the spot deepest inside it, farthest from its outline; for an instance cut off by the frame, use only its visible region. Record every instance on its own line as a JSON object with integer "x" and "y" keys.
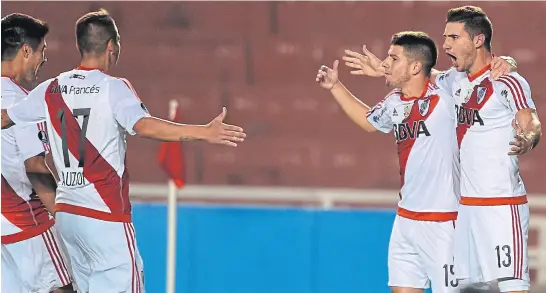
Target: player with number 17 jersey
{"x": 88, "y": 113}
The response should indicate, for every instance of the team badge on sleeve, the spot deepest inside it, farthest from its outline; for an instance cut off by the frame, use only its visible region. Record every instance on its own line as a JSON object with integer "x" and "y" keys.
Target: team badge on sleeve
{"x": 144, "y": 107}
{"x": 42, "y": 136}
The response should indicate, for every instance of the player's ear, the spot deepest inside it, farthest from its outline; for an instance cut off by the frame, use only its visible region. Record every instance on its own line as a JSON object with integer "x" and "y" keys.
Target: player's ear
{"x": 479, "y": 40}
{"x": 416, "y": 67}
{"x": 110, "y": 46}
{"x": 26, "y": 50}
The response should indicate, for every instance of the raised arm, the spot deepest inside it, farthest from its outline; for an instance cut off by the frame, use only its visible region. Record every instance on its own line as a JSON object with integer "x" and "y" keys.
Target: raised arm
{"x": 367, "y": 63}
{"x": 355, "y": 109}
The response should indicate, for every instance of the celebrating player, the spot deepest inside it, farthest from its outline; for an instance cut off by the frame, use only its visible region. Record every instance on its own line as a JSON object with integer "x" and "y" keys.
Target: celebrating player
{"x": 422, "y": 118}
{"x": 88, "y": 113}
{"x": 493, "y": 223}
{"x": 493, "y": 107}
{"x": 32, "y": 260}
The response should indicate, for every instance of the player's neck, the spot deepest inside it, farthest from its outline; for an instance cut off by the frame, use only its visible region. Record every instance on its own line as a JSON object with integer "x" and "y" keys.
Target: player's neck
{"x": 92, "y": 62}
{"x": 14, "y": 71}
{"x": 483, "y": 59}
{"x": 415, "y": 87}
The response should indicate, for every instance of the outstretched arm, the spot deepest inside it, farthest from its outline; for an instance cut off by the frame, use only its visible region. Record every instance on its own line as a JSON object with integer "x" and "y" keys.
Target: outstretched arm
{"x": 367, "y": 63}
{"x": 214, "y": 132}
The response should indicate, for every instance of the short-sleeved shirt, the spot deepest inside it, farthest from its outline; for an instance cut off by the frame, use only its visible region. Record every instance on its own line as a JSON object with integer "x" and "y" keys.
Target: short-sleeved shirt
{"x": 88, "y": 113}
{"x": 485, "y": 111}
{"x": 424, "y": 129}
{"x": 23, "y": 214}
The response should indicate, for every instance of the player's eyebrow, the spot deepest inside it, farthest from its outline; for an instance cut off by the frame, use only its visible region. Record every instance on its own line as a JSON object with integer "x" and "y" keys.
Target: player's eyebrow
{"x": 451, "y": 35}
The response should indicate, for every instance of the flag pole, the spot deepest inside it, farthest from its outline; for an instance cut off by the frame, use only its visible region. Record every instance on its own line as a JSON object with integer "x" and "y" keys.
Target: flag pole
{"x": 171, "y": 221}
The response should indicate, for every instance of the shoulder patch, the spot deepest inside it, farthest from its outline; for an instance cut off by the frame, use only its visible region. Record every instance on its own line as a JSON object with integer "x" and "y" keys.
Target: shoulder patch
{"x": 42, "y": 136}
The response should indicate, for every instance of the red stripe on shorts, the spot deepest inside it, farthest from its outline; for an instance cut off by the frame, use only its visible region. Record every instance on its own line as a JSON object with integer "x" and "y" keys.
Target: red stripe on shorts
{"x": 52, "y": 256}
{"x": 60, "y": 258}
{"x": 128, "y": 237}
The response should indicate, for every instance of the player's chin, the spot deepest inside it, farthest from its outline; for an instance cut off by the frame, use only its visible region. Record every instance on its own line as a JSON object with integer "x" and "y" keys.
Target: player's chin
{"x": 388, "y": 82}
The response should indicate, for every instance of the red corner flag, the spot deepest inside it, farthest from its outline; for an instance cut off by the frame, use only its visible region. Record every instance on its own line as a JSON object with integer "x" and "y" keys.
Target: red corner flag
{"x": 171, "y": 157}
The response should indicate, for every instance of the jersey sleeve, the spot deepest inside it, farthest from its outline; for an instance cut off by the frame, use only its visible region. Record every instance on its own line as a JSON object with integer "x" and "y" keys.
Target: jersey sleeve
{"x": 379, "y": 116}
{"x": 126, "y": 107}
{"x": 445, "y": 80}
{"x": 31, "y": 139}
{"x": 515, "y": 92}
{"x": 31, "y": 109}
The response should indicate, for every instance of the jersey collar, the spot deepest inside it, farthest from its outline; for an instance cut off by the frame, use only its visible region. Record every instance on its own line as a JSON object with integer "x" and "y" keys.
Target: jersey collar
{"x": 415, "y": 98}
{"x": 482, "y": 71}
{"x": 87, "y": 68}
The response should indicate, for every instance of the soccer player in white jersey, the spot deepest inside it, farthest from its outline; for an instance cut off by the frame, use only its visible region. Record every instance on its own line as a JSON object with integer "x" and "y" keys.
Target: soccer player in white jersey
{"x": 423, "y": 121}
{"x": 88, "y": 113}
{"x": 32, "y": 259}
{"x": 493, "y": 223}
{"x": 494, "y": 105}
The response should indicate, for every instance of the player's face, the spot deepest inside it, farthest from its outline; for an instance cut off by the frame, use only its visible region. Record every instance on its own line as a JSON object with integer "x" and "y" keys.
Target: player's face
{"x": 397, "y": 67}
{"x": 34, "y": 62}
{"x": 459, "y": 46}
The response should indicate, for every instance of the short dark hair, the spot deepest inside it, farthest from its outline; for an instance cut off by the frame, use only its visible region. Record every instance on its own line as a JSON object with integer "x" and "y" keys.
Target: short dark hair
{"x": 475, "y": 22}
{"x": 19, "y": 29}
{"x": 94, "y": 30}
{"x": 418, "y": 46}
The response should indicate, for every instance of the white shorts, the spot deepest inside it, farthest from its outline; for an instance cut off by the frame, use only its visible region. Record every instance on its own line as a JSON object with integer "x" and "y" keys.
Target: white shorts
{"x": 421, "y": 255}
{"x": 103, "y": 255}
{"x": 491, "y": 245}
{"x": 34, "y": 265}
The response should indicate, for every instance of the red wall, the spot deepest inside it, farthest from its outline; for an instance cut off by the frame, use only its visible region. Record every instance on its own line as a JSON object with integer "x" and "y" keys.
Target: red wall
{"x": 260, "y": 60}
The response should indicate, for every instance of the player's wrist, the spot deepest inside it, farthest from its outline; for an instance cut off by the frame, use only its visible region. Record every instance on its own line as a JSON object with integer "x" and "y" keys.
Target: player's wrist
{"x": 192, "y": 132}
{"x": 337, "y": 86}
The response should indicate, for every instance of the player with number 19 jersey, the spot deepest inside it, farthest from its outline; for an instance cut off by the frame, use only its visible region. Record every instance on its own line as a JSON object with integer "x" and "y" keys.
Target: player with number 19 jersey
{"x": 421, "y": 243}
{"x": 88, "y": 113}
